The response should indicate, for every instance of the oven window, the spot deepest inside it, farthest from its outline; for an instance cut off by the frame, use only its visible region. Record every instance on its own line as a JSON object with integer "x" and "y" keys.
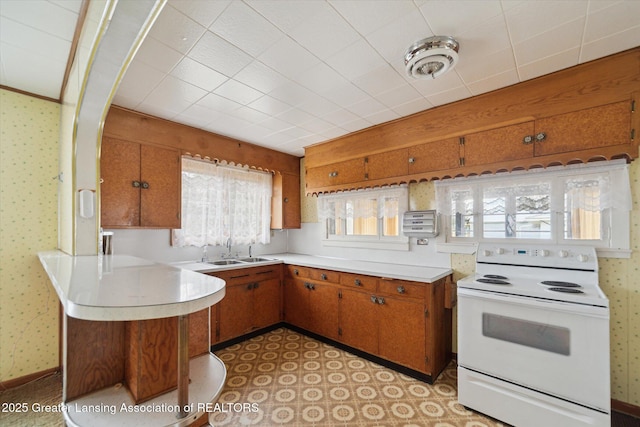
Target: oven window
{"x": 542, "y": 336}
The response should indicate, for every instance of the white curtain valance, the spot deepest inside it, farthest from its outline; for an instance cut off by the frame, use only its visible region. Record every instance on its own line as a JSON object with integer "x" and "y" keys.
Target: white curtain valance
{"x": 360, "y": 203}
{"x": 222, "y": 203}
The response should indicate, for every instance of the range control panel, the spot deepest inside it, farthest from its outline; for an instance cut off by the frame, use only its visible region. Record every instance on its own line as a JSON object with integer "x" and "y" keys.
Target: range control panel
{"x": 573, "y": 257}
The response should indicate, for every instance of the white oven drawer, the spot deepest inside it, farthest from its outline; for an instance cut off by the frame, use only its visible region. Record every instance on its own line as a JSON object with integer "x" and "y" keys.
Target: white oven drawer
{"x": 559, "y": 349}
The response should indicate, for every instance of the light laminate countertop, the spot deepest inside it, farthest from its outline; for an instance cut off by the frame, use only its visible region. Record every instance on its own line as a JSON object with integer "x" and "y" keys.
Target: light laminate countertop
{"x": 387, "y": 270}
{"x": 122, "y": 287}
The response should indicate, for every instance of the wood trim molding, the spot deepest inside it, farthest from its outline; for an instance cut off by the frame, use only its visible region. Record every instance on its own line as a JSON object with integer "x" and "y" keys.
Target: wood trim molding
{"x": 82, "y": 15}
{"x": 33, "y": 95}
{"x": 625, "y": 408}
{"x": 17, "y": 382}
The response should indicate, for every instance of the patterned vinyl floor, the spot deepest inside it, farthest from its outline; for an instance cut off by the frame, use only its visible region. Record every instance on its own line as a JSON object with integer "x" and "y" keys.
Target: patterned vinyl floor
{"x": 285, "y": 378}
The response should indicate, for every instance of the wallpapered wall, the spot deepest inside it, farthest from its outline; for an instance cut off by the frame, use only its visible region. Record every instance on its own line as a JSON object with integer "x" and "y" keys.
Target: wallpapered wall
{"x": 619, "y": 279}
{"x": 28, "y": 224}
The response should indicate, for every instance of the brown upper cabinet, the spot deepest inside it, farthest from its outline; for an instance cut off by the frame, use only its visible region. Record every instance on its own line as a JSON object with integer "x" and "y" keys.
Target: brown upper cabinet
{"x": 434, "y": 156}
{"x": 140, "y": 185}
{"x": 497, "y": 145}
{"x": 602, "y": 126}
{"x": 337, "y": 173}
{"x": 386, "y": 165}
{"x": 285, "y": 202}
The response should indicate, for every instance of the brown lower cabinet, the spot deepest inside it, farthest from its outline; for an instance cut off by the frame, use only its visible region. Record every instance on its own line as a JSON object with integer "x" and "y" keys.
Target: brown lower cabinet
{"x": 400, "y": 321}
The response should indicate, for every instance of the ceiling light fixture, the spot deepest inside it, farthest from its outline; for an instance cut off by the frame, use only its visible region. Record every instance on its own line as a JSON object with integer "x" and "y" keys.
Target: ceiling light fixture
{"x": 431, "y": 57}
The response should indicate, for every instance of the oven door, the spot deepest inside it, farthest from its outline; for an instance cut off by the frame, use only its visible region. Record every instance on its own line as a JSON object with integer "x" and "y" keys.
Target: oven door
{"x": 556, "y": 348}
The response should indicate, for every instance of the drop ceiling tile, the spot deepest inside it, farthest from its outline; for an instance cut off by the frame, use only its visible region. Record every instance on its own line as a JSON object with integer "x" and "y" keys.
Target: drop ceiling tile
{"x": 610, "y": 20}
{"x": 203, "y": 12}
{"x": 549, "y": 64}
{"x": 356, "y": 125}
{"x": 393, "y": 40}
{"x": 321, "y": 78}
{"x": 324, "y": 33}
{"x": 245, "y": 28}
{"x": 355, "y": 60}
{"x": 453, "y": 17}
{"x": 139, "y": 80}
{"x": 285, "y": 14}
{"x": 293, "y": 94}
{"x": 33, "y": 42}
{"x": 448, "y": 96}
{"x": 176, "y": 30}
{"x": 31, "y": 73}
{"x": 493, "y": 82}
{"x": 197, "y": 74}
{"x": 269, "y": 105}
{"x": 218, "y": 103}
{"x": 366, "y": 107}
{"x": 249, "y": 114}
{"x": 317, "y": 126}
{"x": 486, "y": 66}
{"x": 559, "y": 39}
{"x": 47, "y": 17}
{"x": 158, "y": 55}
{"x": 219, "y": 55}
{"x": 529, "y": 19}
{"x": 412, "y": 107}
{"x": 238, "y": 92}
{"x": 609, "y": 45}
{"x": 260, "y": 77}
{"x": 484, "y": 39}
{"x": 174, "y": 95}
{"x": 288, "y": 58}
{"x": 340, "y": 117}
{"x": 317, "y": 105}
{"x": 71, "y": 5}
{"x": 367, "y": 16}
{"x": 379, "y": 80}
{"x": 296, "y": 117}
{"x": 196, "y": 115}
{"x": 345, "y": 94}
{"x": 382, "y": 117}
{"x": 275, "y": 124}
{"x": 399, "y": 96}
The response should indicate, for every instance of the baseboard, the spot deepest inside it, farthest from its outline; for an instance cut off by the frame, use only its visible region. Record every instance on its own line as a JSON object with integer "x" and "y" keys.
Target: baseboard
{"x": 16, "y": 382}
{"x": 625, "y": 408}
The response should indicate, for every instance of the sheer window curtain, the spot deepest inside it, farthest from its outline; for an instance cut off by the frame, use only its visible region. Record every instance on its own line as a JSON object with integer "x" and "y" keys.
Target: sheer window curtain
{"x": 221, "y": 203}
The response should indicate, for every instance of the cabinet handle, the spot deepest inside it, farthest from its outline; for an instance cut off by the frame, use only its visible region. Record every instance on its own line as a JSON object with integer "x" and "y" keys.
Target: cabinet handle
{"x": 401, "y": 290}
{"x": 380, "y": 300}
{"x": 323, "y": 276}
{"x": 541, "y": 136}
{"x": 527, "y": 140}
{"x": 374, "y": 299}
{"x": 256, "y": 285}
{"x": 358, "y": 282}
{"x": 309, "y": 286}
{"x": 333, "y": 174}
{"x": 135, "y": 184}
{"x": 295, "y": 271}
{"x": 286, "y": 200}
{"x": 145, "y": 185}
{"x": 250, "y": 286}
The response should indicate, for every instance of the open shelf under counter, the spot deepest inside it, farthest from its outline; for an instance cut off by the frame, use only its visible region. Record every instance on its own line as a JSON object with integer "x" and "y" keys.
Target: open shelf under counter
{"x": 114, "y": 405}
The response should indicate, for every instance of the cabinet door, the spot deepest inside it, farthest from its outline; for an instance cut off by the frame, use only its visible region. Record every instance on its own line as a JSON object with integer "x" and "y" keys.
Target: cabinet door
{"x": 498, "y": 145}
{"x": 388, "y": 164}
{"x": 359, "y": 321}
{"x": 335, "y": 174}
{"x": 236, "y": 311}
{"x": 401, "y": 332}
{"x": 296, "y": 302}
{"x": 160, "y": 202}
{"x": 323, "y": 310}
{"x": 433, "y": 156}
{"x": 591, "y": 128}
{"x": 285, "y": 202}
{"x": 119, "y": 168}
{"x": 266, "y": 303}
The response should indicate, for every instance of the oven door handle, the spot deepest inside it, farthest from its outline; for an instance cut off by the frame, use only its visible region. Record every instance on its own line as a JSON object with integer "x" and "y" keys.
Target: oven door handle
{"x": 582, "y": 309}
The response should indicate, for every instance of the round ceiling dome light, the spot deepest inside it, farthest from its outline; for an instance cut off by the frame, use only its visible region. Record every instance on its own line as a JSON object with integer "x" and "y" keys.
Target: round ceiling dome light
{"x": 431, "y": 57}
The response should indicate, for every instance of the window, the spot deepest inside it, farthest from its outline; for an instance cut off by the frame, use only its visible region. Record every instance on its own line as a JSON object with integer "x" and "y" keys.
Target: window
{"x": 364, "y": 218}
{"x": 222, "y": 202}
{"x": 586, "y": 203}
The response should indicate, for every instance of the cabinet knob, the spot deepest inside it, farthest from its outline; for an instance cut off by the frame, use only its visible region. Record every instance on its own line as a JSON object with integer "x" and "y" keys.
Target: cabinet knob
{"x": 401, "y": 290}
{"x": 541, "y": 136}
{"x": 381, "y": 300}
{"x": 295, "y": 271}
{"x": 358, "y": 282}
{"x": 250, "y": 286}
{"x": 333, "y": 174}
{"x": 412, "y": 160}
{"x": 374, "y": 299}
{"x": 527, "y": 139}
{"x": 323, "y": 276}
{"x": 145, "y": 185}
{"x": 135, "y": 184}
{"x": 256, "y": 285}
{"x": 286, "y": 200}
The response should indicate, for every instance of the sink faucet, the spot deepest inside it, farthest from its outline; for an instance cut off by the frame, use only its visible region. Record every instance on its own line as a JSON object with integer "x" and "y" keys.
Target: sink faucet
{"x": 249, "y": 251}
{"x": 205, "y": 257}
{"x": 229, "y": 247}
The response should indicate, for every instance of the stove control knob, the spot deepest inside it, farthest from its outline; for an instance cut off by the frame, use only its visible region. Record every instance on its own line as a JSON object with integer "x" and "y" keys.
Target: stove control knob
{"x": 499, "y": 251}
{"x": 543, "y": 252}
{"x": 486, "y": 252}
{"x": 563, "y": 254}
{"x": 583, "y": 258}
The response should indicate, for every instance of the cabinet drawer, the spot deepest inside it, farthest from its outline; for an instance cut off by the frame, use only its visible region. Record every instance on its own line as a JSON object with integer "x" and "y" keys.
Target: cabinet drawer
{"x": 325, "y": 275}
{"x": 401, "y": 287}
{"x": 359, "y": 281}
{"x": 247, "y": 275}
{"x": 266, "y": 272}
{"x": 296, "y": 272}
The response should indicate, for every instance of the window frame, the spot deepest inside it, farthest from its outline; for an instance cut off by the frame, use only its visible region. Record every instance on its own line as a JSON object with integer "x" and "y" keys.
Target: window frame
{"x": 379, "y": 241}
{"x": 615, "y": 240}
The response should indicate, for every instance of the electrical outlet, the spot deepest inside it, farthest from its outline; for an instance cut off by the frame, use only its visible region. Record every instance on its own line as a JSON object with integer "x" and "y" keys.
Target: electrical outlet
{"x": 422, "y": 241}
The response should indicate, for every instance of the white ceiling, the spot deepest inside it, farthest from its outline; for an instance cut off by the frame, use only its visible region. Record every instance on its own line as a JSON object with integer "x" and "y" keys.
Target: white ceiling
{"x": 290, "y": 73}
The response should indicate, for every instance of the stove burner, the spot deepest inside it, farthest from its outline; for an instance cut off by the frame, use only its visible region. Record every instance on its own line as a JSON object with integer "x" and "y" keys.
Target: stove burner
{"x": 567, "y": 290}
{"x": 495, "y": 276}
{"x": 560, "y": 284}
{"x": 493, "y": 281}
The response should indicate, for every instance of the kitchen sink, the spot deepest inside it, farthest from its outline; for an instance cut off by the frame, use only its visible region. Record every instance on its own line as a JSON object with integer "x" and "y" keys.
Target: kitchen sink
{"x": 225, "y": 262}
{"x": 251, "y": 259}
